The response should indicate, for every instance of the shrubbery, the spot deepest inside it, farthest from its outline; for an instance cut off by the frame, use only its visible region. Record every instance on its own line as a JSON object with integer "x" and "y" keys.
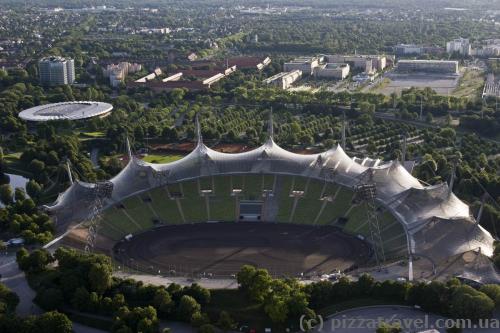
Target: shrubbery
{"x": 85, "y": 283}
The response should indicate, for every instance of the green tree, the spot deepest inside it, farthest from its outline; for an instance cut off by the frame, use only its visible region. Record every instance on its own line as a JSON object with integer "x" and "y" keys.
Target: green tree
{"x": 467, "y": 302}
{"x": 187, "y": 307}
{"x": 199, "y": 319}
{"x": 388, "y": 328}
{"x": 100, "y": 277}
{"x": 35, "y": 262}
{"x": 80, "y": 299}
{"x": 277, "y": 309}
{"x": 50, "y": 299}
{"x": 8, "y": 300}
{"x": 6, "y": 194}
{"x": 34, "y": 189}
{"x": 225, "y": 322}
{"x": 493, "y": 292}
{"x": 163, "y": 302}
{"x": 207, "y": 328}
{"x": 54, "y": 322}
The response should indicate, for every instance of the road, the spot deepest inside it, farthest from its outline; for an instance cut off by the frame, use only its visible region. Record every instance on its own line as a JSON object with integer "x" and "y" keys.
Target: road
{"x": 367, "y": 319}
{"x": 94, "y": 157}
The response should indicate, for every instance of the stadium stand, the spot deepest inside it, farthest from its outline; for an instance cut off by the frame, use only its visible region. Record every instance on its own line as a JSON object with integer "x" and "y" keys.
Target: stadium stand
{"x": 268, "y": 182}
{"x": 193, "y": 204}
{"x": 165, "y": 207}
{"x": 205, "y": 183}
{"x": 237, "y": 181}
{"x": 252, "y": 188}
{"x": 138, "y": 210}
{"x": 143, "y": 211}
{"x": 115, "y": 224}
{"x": 337, "y": 208}
{"x": 310, "y": 204}
{"x": 285, "y": 202}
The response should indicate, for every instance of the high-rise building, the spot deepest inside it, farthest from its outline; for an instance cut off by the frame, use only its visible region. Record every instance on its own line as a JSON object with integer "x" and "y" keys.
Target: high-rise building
{"x": 55, "y": 71}
{"x": 118, "y": 73}
{"x": 460, "y": 45}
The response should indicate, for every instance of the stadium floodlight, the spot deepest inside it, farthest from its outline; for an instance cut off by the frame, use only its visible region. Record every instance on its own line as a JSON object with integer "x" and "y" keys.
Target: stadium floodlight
{"x": 236, "y": 192}
{"x": 297, "y": 194}
{"x": 366, "y": 192}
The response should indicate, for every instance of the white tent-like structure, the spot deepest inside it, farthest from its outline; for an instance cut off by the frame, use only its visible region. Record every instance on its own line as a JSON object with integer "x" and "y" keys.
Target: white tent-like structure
{"x": 437, "y": 224}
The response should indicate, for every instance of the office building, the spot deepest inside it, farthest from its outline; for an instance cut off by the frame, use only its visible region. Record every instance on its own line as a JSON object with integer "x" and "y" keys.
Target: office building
{"x": 304, "y": 64}
{"x": 413, "y": 49}
{"x": 332, "y": 71}
{"x": 407, "y": 49}
{"x": 56, "y": 71}
{"x": 367, "y": 63}
{"x": 428, "y": 66}
{"x": 284, "y": 80}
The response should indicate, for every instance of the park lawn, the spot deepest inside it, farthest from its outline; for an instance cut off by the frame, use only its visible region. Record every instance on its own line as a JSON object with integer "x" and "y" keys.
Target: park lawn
{"x": 470, "y": 84}
{"x": 93, "y": 135}
{"x": 153, "y": 158}
{"x": 13, "y": 165}
{"x": 377, "y": 88}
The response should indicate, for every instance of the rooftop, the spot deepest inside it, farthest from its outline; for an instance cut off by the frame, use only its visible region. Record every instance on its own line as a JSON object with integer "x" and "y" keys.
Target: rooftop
{"x": 54, "y": 59}
{"x": 66, "y": 111}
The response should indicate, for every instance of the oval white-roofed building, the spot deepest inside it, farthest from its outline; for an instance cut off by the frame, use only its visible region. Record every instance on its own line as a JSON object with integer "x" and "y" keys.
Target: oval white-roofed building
{"x": 66, "y": 111}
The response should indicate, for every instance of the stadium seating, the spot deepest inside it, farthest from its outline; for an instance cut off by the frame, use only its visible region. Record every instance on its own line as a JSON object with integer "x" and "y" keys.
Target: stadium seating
{"x": 309, "y": 206}
{"x": 336, "y": 209}
{"x": 222, "y": 186}
{"x": 267, "y": 182}
{"x": 222, "y": 204}
{"x": 115, "y": 224}
{"x": 299, "y": 183}
{"x": 252, "y": 188}
{"x": 193, "y": 204}
{"x": 165, "y": 207}
{"x": 285, "y": 202}
{"x": 237, "y": 181}
{"x": 205, "y": 183}
{"x": 222, "y": 208}
{"x": 138, "y": 210}
{"x": 184, "y": 203}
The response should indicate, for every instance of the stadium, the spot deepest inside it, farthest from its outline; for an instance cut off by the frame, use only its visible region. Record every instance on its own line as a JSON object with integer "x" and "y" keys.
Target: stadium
{"x": 66, "y": 111}
{"x": 211, "y": 212}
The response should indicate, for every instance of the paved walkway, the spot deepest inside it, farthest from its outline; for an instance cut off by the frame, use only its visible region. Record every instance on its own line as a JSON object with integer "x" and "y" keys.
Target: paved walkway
{"x": 162, "y": 281}
{"x": 14, "y": 278}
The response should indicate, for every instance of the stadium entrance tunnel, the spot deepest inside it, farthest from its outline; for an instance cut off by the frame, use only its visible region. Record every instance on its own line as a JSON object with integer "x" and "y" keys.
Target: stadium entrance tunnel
{"x": 220, "y": 249}
{"x": 250, "y": 211}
